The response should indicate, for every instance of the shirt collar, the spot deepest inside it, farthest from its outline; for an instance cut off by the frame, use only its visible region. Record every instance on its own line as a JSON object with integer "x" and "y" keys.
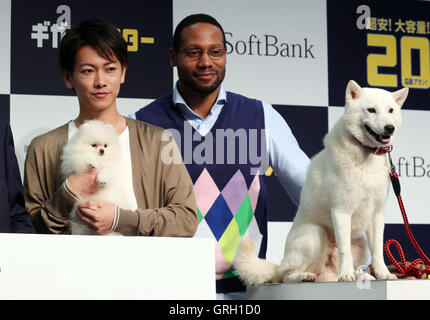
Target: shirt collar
{"x": 188, "y": 112}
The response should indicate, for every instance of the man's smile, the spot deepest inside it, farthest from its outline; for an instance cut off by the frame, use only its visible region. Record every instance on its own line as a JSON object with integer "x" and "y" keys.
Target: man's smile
{"x": 100, "y": 95}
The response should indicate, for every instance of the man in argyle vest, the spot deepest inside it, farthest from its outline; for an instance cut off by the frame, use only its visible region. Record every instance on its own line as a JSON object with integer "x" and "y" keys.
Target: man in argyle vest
{"x": 227, "y": 142}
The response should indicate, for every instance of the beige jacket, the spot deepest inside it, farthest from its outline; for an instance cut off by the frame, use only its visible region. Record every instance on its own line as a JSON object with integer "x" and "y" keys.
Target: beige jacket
{"x": 164, "y": 192}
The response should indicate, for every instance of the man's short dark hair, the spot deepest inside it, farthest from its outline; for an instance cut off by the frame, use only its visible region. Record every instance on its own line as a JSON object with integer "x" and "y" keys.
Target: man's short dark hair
{"x": 96, "y": 33}
{"x": 190, "y": 20}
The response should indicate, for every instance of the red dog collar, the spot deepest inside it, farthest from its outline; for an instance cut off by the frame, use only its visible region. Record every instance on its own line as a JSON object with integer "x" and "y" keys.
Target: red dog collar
{"x": 378, "y": 151}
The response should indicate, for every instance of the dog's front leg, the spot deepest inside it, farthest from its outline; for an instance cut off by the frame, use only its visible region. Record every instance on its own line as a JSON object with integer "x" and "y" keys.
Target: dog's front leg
{"x": 342, "y": 230}
{"x": 103, "y": 177}
{"x": 375, "y": 236}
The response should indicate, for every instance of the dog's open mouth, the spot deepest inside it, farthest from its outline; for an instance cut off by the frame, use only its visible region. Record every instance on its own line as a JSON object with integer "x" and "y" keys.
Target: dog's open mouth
{"x": 384, "y": 139}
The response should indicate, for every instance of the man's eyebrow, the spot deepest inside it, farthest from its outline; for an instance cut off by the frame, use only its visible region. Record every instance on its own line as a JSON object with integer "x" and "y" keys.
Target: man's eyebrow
{"x": 93, "y": 65}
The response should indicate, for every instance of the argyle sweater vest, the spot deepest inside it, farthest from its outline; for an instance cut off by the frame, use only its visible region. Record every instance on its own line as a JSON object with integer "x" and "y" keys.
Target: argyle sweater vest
{"x": 231, "y": 198}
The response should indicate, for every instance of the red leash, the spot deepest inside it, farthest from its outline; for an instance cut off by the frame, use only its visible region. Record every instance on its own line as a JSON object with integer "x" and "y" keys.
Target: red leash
{"x": 401, "y": 267}
{"x": 407, "y": 270}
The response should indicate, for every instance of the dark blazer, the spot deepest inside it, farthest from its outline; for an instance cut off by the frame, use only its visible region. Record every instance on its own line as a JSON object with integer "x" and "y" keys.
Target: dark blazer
{"x": 13, "y": 216}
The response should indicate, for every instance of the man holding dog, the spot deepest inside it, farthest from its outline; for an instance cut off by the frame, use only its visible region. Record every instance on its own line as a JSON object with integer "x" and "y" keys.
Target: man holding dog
{"x": 228, "y": 181}
{"x": 93, "y": 61}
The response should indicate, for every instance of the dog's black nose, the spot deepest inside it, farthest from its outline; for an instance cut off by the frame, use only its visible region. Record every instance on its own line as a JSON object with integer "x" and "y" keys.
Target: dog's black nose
{"x": 389, "y": 129}
{"x": 101, "y": 151}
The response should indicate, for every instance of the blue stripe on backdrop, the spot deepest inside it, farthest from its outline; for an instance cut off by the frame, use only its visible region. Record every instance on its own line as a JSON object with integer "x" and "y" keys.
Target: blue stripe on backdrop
{"x": 5, "y": 107}
{"x": 145, "y": 25}
{"x": 309, "y": 125}
{"x": 353, "y": 55}
{"x": 398, "y": 232}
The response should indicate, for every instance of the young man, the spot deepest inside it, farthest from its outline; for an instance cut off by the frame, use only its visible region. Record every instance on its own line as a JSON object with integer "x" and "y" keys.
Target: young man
{"x": 93, "y": 61}
{"x": 13, "y": 216}
{"x": 207, "y": 122}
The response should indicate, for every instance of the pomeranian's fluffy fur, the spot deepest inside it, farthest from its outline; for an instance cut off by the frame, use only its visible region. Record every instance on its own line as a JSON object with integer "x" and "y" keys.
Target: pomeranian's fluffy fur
{"x": 95, "y": 145}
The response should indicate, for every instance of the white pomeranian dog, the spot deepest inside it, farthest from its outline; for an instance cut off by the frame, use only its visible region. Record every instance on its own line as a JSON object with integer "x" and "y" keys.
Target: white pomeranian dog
{"x": 95, "y": 145}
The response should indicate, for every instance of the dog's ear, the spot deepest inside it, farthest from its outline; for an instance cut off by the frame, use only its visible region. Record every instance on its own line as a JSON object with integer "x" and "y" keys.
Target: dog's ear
{"x": 400, "y": 96}
{"x": 353, "y": 91}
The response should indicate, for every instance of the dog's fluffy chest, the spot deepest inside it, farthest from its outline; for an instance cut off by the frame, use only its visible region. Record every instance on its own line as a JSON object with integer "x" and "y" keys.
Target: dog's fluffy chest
{"x": 366, "y": 184}
{"x": 363, "y": 175}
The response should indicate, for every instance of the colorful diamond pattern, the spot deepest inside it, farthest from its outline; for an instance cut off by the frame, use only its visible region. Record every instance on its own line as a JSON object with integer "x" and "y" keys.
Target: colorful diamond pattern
{"x": 219, "y": 217}
{"x": 220, "y": 262}
{"x": 235, "y": 191}
{"x": 244, "y": 215}
{"x": 206, "y": 192}
{"x": 229, "y": 241}
{"x": 199, "y": 214}
{"x": 227, "y": 214}
{"x": 230, "y": 273}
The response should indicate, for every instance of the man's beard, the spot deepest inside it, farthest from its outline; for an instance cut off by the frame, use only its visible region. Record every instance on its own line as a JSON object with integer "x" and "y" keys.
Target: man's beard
{"x": 207, "y": 89}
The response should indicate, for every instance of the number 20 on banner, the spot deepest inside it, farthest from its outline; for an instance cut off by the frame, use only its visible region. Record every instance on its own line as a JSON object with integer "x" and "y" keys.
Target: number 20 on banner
{"x": 409, "y": 78}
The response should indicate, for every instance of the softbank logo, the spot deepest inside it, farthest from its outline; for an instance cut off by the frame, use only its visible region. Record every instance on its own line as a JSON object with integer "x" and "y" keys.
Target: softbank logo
{"x": 414, "y": 166}
{"x": 269, "y": 45}
{"x": 226, "y": 146}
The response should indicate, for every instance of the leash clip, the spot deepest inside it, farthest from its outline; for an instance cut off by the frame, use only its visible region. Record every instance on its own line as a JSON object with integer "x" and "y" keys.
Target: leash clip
{"x": 393, "y": 167}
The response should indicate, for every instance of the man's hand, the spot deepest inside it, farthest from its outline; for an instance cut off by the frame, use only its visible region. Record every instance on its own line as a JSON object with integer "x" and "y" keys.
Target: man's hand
{"x": 98, "y": 215}
{"x": 84, "y": 184}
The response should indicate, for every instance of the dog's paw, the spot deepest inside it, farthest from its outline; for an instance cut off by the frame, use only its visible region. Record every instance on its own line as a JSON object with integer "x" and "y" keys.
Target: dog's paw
{"x": 347, "y": 276}
{"x": 102, "y": 177}
{"x": 381, "y": 272}
{"x": 93, "y": 165}
{"x": 363, "y": 276}
{"x": 299, "y": 277}
{"x": 308, "y": 277}
{"x": 385, "y": 276}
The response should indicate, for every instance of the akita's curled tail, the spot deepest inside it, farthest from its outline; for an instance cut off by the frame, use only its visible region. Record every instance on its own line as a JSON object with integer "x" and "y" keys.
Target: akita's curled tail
{"x": 250, "y": 268}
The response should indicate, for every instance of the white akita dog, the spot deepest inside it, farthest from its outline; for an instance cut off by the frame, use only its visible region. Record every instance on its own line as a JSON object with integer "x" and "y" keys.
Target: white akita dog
{"x": 340, "y": 219}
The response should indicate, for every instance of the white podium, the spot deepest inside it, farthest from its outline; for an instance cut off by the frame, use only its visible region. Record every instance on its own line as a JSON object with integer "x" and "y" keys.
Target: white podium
{"x": 358, "y": 290}
{"x": 106, "y": 267}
